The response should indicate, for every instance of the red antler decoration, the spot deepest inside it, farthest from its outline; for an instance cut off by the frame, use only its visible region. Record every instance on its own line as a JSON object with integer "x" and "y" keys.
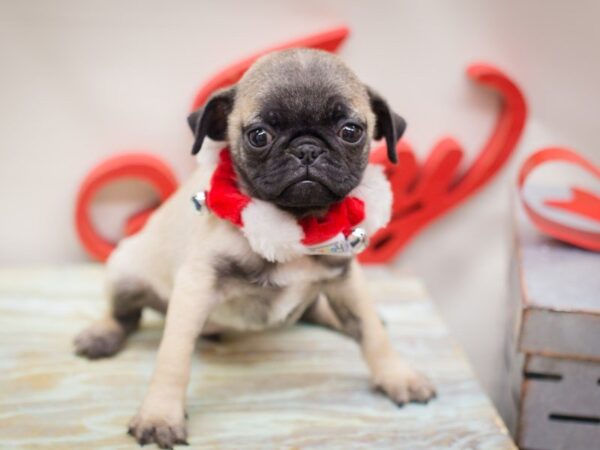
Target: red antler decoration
{"x": 422, "y": 194}
{"x": 582, "y": 203}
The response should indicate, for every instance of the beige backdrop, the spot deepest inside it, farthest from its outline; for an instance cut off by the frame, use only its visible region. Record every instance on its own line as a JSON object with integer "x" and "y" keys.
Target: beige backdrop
{"x": 82, "y": 80}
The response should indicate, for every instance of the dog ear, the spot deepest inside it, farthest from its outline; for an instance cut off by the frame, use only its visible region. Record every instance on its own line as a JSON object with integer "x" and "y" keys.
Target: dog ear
{"x": 211, "y": 119}
{"x": 388, "y": 125}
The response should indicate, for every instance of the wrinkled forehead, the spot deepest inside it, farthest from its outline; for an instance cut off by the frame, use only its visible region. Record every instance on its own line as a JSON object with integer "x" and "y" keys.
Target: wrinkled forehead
{"x": 298, "y": 104}
{"x": 301, "y": 90}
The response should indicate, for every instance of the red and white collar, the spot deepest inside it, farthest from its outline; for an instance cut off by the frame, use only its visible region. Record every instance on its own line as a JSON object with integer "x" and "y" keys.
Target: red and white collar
{"x": 279, "y": 236}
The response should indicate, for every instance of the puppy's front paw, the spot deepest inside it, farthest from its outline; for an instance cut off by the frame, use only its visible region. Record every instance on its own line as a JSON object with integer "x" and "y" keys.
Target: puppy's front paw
{"x": 403, "y": 384}
{"x": 160, "y": 427}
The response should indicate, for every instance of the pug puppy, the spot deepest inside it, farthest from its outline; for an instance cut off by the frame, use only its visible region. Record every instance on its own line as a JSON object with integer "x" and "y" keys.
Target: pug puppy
{"x": 299, "y": 125}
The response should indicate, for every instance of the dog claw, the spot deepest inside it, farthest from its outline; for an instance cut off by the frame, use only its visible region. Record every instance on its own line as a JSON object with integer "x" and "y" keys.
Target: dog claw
{"x": 165, "y": 434}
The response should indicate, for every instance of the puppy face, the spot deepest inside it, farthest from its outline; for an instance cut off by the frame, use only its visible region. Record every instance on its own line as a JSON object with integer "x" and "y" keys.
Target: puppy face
{"x": 299, "y": 125}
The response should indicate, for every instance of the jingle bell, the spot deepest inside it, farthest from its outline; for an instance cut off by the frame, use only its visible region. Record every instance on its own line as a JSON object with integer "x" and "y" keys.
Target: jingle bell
{"x": 358, "y": 240}
{"x": 199, "y": 201}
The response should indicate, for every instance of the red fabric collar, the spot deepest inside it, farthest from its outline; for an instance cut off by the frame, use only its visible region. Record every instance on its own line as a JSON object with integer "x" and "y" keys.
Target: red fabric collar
{"x": 226, "y": 201}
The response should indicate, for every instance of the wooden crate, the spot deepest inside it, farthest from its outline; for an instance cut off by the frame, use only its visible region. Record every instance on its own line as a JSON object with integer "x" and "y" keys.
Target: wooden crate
{"x": 299, "y": 388}
{"x": 553, "y": 344}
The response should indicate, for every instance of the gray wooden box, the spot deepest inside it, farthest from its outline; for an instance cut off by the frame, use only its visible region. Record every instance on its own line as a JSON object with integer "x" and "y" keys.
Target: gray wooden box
{"x": 553, "y": 344}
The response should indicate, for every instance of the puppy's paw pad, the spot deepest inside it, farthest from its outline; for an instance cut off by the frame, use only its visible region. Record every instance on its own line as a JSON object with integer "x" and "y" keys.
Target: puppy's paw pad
{"x": 99, "y": 342}
{"x": 406, "y": 385}
{"x": 162, "y": 432}
{"x": 420, "y": 389}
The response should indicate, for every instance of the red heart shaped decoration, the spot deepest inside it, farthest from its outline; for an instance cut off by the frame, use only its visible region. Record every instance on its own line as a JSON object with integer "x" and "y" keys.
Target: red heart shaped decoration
{"x": 582, "y": 203}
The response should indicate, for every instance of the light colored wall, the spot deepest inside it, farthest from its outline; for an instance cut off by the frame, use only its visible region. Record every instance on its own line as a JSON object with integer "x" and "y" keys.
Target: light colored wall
{"x": 83, "y": 80}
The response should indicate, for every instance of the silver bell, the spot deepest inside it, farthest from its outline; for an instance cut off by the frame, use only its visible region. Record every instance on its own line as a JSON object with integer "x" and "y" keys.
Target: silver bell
{"x": 358, "y": 240}
{"x": 199, "y": 201}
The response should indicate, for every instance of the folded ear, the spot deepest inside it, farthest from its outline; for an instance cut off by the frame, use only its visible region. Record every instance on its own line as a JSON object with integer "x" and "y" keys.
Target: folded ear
{"x": 388, "y": 125}
{"x": 211, "y": 119}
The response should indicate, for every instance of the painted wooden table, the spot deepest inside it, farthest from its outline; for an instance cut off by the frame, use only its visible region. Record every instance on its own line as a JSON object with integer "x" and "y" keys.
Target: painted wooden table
{"x": 299, "y": 388}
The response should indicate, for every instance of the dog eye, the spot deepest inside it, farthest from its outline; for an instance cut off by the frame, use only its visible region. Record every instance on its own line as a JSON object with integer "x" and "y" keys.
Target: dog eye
{"x": 350, "y": 133}
{"x": 259, "y": 137}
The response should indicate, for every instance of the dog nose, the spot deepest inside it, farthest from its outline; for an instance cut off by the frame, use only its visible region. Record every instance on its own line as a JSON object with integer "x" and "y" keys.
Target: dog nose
{"x": 307, "y": 153}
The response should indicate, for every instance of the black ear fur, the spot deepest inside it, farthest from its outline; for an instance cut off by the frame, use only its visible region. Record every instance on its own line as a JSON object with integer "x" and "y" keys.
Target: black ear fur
{"x": 211, "y": 119}
{"x": 388, "y": 124}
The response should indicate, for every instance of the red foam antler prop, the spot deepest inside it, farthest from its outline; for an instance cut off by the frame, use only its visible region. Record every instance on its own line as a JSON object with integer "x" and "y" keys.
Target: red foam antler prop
{"x": 582, "y": 203}
{"x": 422, "y": 194}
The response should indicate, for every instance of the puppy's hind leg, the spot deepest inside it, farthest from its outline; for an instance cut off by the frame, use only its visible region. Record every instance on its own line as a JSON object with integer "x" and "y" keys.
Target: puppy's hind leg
{"x": 106, "y": 336}
{"x": 321, "y": 313}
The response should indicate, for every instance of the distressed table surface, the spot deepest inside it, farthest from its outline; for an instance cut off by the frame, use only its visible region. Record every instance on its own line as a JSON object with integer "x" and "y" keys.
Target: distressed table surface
{"x": 303, "y": 387}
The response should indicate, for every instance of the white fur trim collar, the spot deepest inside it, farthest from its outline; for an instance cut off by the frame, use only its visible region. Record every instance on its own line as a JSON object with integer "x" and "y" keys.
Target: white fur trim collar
{"x": 276, "y": 236}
